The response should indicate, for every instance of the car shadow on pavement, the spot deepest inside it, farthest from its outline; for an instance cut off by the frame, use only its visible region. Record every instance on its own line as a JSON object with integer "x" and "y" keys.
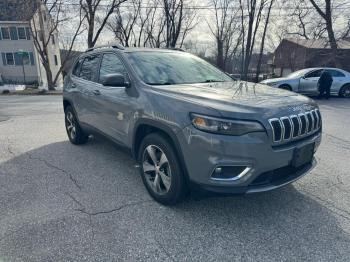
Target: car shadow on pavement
{"x": 60, "y": 201}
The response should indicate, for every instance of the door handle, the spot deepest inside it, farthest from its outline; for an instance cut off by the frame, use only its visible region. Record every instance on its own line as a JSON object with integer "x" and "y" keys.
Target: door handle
{"x": 96, "y": 92}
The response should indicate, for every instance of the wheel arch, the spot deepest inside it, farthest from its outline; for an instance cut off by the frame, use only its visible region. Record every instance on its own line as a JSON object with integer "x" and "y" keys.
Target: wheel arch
{"x": 66, "y": 103}
{"x": 286, "y": 85}
{"x": 148, "y": 126}
{"x": 344, "y": 85}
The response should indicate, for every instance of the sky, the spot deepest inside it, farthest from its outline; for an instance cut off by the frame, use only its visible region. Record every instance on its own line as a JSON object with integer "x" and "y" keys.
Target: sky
{"x": 201, "y": 35}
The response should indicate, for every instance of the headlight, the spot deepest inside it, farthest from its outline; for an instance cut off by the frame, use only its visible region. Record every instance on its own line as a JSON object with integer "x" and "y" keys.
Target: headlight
{"x": 225, "y": 126}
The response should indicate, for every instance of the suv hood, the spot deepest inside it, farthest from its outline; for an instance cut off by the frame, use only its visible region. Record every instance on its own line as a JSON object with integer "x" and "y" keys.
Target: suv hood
{"x": 240, "y": 96}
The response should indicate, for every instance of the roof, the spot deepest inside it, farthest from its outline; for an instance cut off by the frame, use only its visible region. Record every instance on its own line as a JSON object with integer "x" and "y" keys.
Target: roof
{"x": 17, "y": 10}
{"x": 321, "y": 43}
{"x": 131, "y": 49}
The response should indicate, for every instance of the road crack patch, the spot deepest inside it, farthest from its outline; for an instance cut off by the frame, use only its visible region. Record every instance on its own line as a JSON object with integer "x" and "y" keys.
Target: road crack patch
{"x": 83, "y": 210}
{"x": 48, "y": 164}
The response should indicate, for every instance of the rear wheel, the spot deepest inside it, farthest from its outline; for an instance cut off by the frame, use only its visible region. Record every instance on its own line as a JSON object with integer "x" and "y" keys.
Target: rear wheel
{"x": 75, "y": 134}
{"x": 161, "y": 171}
{"x": 345, "y": 91}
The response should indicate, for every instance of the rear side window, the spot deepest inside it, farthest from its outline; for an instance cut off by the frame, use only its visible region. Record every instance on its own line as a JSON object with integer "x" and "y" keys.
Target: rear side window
{"x": 336, "y": 73}
{"x": 77, "y": 67}
{"x": 111, "y": 64}
{"x": 89, "y": 68}
{"x": 316, "y": 73}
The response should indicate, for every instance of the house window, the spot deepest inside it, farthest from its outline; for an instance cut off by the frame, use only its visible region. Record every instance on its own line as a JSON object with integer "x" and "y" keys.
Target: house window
{"x": 5, "y": 33}
{"x": 21, "y": 33}
{"x": 53, "y": 39}
{"x": 28, "y": 33}
{"x": 10, "y": 59}
{"x": 22, "y": 58}
{"x": 56, "y": 61}
{"x": 13, "y": 33}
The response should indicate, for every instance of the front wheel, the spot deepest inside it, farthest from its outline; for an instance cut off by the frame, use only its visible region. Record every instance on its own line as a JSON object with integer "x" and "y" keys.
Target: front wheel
{"x": 345, "y": 91}
{"x": 161, "y": 171}
{"x": 75, "y": 134}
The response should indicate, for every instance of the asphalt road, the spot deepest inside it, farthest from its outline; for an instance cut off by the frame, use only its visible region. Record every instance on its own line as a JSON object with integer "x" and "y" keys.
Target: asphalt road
{"x": 60, "y": 202}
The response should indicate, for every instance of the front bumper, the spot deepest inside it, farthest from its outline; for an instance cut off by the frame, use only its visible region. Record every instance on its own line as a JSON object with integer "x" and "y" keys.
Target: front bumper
{"x": 269, "y": 166}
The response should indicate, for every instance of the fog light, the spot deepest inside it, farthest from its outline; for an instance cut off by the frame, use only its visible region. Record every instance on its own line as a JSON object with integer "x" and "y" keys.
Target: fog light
{"x": 229, "y": 172}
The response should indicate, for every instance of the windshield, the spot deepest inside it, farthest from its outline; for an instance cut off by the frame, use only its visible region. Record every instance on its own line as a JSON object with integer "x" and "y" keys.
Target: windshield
{"x": 298, "y": 73}
{"x": 169, "y": 68}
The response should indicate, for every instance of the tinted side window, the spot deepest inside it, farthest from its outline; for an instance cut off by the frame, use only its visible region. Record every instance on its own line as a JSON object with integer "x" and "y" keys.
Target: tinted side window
{"x": 89, "y": 68}
{"x": 76, "y": 69}
{"x": 335, "y": 73}
{"x": 111, "y": 64}
{"x": 316, "y": 73}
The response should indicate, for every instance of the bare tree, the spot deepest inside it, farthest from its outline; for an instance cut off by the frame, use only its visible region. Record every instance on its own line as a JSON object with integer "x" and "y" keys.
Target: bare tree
{"x": 44, "y": 31}
{"x": 155, "y": 27}
{"x": 327, "y": 16}
{"x": 178, "y": 20}
{"x": 252, "y": 10}
{"x": 225, "y": 28}
{"x": 124, "y": 22}
{"x": 96, "y": 17}
{"x": 303, "y": 21}
{"x": 262, "y": 44}
{"x": 143, "y": 18}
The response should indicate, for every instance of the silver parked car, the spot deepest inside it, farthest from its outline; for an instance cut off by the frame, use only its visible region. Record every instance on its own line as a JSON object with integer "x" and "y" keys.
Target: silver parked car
{"x": 305, "y": 81}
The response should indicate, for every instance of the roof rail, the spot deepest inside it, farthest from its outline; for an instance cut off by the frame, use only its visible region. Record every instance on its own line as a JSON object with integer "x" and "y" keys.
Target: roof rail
{"x": 176, "y": 49}
{"x": 117, "y": 46}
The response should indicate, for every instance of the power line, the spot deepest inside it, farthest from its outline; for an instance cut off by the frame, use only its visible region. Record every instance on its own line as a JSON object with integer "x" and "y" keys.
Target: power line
{"x": 207, "y": 7}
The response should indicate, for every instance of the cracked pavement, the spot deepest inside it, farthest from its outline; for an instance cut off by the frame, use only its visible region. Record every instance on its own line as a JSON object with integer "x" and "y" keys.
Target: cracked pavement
{"x": 60, "y": 202}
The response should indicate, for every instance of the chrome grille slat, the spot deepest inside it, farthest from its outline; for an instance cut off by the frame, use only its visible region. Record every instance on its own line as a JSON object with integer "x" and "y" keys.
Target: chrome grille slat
{"x": 295, "y": 126}
{"x": 315, "y": 117}
{"x": 287, "y": 128}
{"x": 310, "y": 122}
{"x": 303, "y": 126}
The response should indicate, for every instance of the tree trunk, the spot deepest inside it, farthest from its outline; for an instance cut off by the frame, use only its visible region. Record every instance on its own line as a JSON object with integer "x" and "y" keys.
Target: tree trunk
{"x": 91, "y": 30}
{"x": 50, "y": 82}
{"x": 332, "y": 42}
{"x": 327, "y": 16}
{"x": 249, "y": 41}
{"x": 220, "y": 56}
{"x": 258, "y": 67}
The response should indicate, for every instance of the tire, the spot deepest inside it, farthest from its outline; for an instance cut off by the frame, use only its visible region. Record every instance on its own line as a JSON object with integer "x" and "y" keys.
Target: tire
{"x": 163, "y": 180}
{"x": 285, "y": 87}
{"x": 75, "y": 133}
{"x": 345, "y": 91}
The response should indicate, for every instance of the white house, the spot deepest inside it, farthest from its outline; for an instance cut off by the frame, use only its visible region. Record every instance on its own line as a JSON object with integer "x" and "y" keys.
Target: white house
{"x": 20, "y": 61}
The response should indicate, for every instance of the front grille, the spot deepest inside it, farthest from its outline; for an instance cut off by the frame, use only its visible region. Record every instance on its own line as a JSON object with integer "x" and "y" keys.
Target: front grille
{"x": 295, "y": 126}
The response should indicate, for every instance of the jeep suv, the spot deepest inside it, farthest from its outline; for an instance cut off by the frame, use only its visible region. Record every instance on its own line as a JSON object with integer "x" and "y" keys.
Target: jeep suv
{"x": 188, "y": 124}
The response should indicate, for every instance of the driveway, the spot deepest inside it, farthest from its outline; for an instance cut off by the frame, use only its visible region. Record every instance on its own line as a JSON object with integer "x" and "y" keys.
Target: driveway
{"x": 60, "y": 202}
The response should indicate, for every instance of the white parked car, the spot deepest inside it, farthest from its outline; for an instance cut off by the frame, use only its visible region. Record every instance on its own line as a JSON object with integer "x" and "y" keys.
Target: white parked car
{"x": 305, "y": 81}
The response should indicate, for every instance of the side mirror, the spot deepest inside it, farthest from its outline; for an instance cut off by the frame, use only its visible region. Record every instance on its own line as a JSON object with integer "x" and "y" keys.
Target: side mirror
{"x": 115, "y": 80}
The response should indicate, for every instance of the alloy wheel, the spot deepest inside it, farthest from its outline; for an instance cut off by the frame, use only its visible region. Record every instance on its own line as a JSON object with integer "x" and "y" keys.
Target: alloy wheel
{"x": 156, "y": 169}
{"x": 346, "y": 92}
{"x": 71, "y": 125}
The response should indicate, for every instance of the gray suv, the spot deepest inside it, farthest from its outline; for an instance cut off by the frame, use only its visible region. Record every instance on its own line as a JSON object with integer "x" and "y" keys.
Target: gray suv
{"x": 188, "y": 124}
